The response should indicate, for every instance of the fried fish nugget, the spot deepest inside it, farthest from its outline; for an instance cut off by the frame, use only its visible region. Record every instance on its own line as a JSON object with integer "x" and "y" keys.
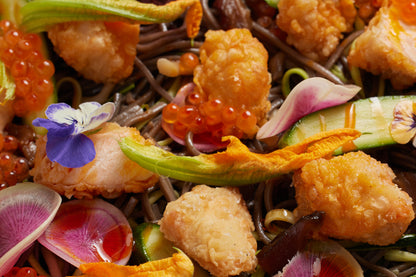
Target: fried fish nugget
{"x": 212, "y": 226}
{"x": 234, "y": 69}
{"x": 109, "y": 174}
{"x": 315, "y": 27}
{"x": 387, "y": 47}
{"x": 100, "y": 51}
{"x": 359, "y": 198}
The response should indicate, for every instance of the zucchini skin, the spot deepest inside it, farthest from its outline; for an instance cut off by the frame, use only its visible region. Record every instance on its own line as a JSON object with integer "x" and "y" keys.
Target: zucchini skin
{"x": 150, "y": 244}
{"x": 371, "y": 116}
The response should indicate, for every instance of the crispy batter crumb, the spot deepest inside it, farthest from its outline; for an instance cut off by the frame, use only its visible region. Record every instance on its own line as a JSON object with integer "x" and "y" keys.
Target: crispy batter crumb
{"x": 212, "y": 226}
{"x": 234, "y": 69}
{"x": 315, "y": 27}
{"x": 102, "y": 52}
{"x": 359, "y": 198}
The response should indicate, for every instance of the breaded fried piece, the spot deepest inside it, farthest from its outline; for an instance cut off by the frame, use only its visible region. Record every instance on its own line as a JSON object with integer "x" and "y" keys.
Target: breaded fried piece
{"x": 109, "y": 174}
{"x": 358, "y": 196}
{"x": 212, "y": 226}
{"x": 100, "y": 51}
{"x": 387, "y": 48}
{"x": 234, "y": 69}
{"x": 315, "y": 27}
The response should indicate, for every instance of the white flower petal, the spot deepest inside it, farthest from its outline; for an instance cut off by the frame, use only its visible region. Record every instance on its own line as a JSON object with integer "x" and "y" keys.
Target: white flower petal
{"x": 99, "y": 116}
{"x": 61, "y": 113}
{"x": 89, "y": 107}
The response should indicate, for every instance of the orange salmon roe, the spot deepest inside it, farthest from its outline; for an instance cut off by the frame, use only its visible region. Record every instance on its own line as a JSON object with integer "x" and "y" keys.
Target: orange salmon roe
{"x": 187, "y": 63}
{"x": 13, "y": 169}
{"x": 405, "y": 10}
{"x": 212, "y": 117}
{"x": 31, "y": 71}
{"x": 22, "y": 272}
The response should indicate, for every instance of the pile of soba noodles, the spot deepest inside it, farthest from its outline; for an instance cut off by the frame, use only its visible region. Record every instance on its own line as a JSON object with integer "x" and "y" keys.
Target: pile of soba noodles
{"x": 146, "y": 87}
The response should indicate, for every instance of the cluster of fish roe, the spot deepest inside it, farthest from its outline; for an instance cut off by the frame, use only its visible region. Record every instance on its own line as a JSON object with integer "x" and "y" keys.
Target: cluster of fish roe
{"x": 231, "y": 90}
{"x": 13, "y": 169}
{"x": 200, "y": 116}
{"x": 31, "y": 71}
{"x": 22, "y": 272}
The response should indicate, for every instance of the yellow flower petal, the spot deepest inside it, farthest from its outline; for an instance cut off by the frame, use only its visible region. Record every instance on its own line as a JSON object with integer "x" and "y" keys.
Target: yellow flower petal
{"x": 403, "y": 127}
{"x": 179, "y": 265}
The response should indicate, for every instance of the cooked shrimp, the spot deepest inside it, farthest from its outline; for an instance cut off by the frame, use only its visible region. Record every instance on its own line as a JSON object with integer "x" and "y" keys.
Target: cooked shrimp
{"x": 109, "y": 174}
{"x": 357, "y": 194}
{"x": 234, "y": 70}
{"x": 212, "y": 226}
{"x": 315, "y": 27}
{"x": 100, "y": 51}
{"x": 386, "y": 47}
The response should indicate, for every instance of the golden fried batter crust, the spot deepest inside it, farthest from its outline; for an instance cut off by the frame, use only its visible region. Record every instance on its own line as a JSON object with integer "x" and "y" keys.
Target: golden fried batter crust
{"x": 387, "y": 48}
{"x": 315, "y": 27}
{"x": 359, "y": 198}
{"x": 102, "y": 52}
{"x": 212, "y": 226}
{"x": 234, "y": 69}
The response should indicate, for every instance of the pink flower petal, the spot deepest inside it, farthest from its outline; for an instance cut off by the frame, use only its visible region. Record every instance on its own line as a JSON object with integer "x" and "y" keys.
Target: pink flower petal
{"x": 308, "y": 96}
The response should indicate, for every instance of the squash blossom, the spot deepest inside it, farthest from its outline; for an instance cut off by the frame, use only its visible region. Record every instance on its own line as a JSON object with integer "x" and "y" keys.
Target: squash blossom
{"x": 237, "y": 165}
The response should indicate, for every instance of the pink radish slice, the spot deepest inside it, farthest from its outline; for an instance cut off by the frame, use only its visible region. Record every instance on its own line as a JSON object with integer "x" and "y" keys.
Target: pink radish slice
{"x": 86, "y": 231}
{"x": 26, "y": 210}
{"x": 322, "y": 259}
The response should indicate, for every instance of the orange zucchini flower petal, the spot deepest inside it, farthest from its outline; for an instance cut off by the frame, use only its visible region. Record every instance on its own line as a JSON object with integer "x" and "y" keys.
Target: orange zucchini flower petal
{"x": 179, "y": 265}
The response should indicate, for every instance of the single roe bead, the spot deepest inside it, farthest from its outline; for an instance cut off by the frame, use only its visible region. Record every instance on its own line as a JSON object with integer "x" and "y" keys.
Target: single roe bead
{"x": 170, "y": 113}
{"x": 194, "y": 99}
{"x": 19, "y": 69}
{"x": 5, "y": 26}
{"x": 229, "y": 115}
{"x": 23, "y": 87}
{"x": 26, "y": 272}
{"x": 12, "y": 37}
{"x": 187, "y": 63}
{"x": 187, "y": 114}
{"x": 211, "y": 107}
{"x": 11, "y": 143}
{"x": 247, "y": 122}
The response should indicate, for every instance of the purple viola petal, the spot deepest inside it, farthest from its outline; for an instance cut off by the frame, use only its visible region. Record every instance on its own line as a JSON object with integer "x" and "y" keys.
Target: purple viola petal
{"x": 308, "y": 96}
{"x": 55, "y": 128}
{"x": 70, "y": 151}
{"x": 60, "y": 113}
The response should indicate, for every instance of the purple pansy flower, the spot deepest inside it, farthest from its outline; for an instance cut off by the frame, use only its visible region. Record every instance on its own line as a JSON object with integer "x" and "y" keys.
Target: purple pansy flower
{"x": 67, "y": 145}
